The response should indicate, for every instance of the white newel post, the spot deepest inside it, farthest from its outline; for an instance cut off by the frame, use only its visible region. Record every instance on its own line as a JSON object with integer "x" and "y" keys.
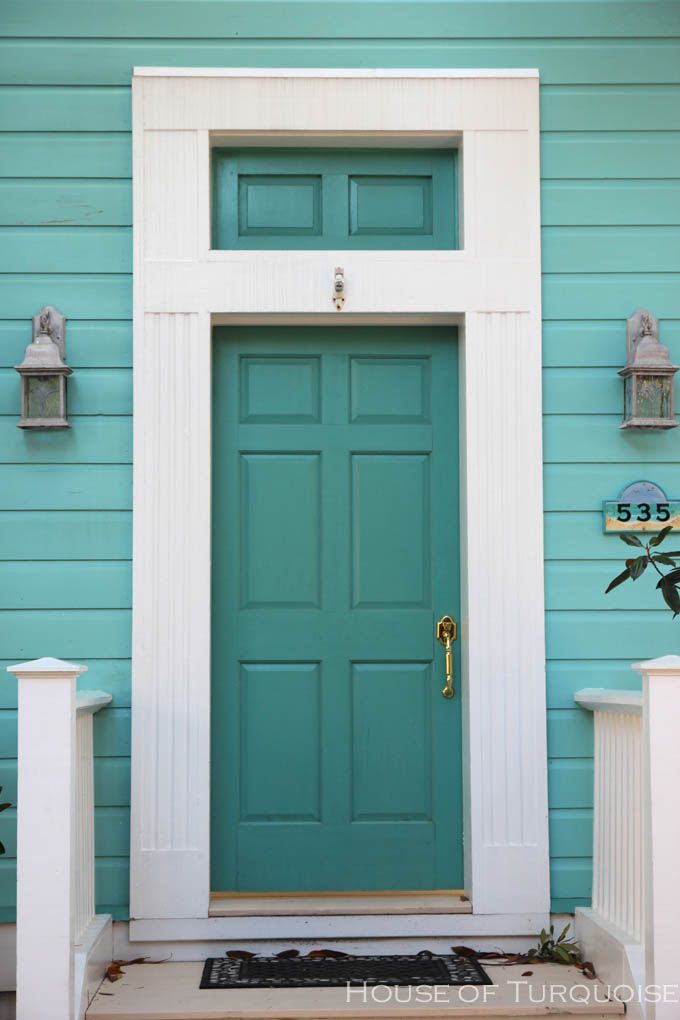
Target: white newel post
{"x": 661, "y": 800}
{"x": 46, "y": 801}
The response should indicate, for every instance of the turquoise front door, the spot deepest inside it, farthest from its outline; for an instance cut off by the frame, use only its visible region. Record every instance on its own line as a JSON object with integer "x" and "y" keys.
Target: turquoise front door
{"x": 336, "y": 762}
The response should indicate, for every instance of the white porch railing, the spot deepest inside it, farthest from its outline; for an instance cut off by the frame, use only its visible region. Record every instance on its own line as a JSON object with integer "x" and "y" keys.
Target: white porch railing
{"x": 632, "y": 931}
{"x": 63, "y": 948}
{"x": 617, "y": 808}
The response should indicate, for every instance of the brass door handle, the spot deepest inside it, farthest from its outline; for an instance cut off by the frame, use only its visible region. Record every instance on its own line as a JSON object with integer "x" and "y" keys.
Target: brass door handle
{"x": 446, "y": 632}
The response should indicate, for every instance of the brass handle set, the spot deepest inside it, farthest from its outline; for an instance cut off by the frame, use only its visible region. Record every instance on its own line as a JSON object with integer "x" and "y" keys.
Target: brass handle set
{"x": 446, "y": 633}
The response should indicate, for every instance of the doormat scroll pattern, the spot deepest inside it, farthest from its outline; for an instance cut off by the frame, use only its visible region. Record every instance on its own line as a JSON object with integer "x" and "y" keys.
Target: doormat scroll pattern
{"x": 303, "y": 972}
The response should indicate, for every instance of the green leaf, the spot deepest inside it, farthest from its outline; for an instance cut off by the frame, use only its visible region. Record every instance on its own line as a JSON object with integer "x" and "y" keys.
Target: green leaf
{"x": 671, "y": 595}
{"x": 2, "y": 848}
{"x": 637, "y": 567}
{"x": 631, "y": 540}
{"x": 562, "y": 954}
{"x": 564, "y": 933}
{"x": 619, "y": 579}
{"x": 3, "y": 807}
{"x": 672, "y": 552}
{"x": 672, "y": 577}
{"x": 663, "y": 558}
{"x": 658, "y": 539}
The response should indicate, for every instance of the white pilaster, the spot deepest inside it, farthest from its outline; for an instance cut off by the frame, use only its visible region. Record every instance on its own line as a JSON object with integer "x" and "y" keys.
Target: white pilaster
{"x": 45, "y": 838}
{"x": 503, "y": 624}
{"x": 171, "y": 622}
{"x": 661, "y": 776}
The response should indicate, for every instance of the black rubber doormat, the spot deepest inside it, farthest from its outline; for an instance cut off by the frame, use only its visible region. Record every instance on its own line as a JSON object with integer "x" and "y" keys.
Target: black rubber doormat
{"x": 303, "y": 972}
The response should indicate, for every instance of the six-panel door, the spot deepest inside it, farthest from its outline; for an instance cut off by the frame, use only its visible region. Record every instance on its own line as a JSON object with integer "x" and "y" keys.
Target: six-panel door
{"x": 335, "y": 759}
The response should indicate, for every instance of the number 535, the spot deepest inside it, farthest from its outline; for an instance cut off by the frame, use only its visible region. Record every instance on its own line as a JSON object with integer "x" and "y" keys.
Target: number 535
{"x": 643, "y": 512}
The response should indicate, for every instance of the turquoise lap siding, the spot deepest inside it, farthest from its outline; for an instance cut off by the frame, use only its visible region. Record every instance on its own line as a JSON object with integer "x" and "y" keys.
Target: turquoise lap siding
{"x": 610, "y": 117}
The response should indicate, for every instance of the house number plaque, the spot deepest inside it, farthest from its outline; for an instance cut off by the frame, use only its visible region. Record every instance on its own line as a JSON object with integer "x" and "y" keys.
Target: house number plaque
{"x": 642, "y": 506}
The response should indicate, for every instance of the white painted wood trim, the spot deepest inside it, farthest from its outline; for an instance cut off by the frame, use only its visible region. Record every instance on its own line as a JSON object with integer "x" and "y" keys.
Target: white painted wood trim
{"x": 56, "y": 923}
{"x": 661, "y": 770}
{"x": 347, "y": 926}
{"x": 666, "y": 665}
{"x": 334, "y": 72}
{"x": 618, "y": 958}
{"x": 599, "y": 699}
{"x": 492, "y": 286}
{"x": 90, "y": 702}
{"x": 93, "y": 954}
{"x": 46, "y": 835}
{"x": 190, "y": 949}
{"x": 619, "y": 840}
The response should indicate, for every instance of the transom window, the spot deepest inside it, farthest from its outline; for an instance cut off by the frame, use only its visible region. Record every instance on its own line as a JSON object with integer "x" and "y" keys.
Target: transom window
{"x": 330, "y": 198}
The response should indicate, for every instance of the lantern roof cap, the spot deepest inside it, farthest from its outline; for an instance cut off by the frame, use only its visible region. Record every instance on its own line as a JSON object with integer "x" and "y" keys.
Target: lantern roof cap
{"x": 46, "y": 351}
{"x": 644, "y": 347}
{"x": 42, "y": 353}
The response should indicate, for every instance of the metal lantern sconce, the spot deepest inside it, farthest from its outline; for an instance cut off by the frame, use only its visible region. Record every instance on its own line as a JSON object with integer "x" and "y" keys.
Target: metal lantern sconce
{"x": 648, "y": 377}
{"x": 43, "y": 374}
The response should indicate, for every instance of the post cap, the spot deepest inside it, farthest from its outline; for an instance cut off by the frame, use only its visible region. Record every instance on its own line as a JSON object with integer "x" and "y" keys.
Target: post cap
{"x": 46, "y": 667}
{"x": 664, "y": 664}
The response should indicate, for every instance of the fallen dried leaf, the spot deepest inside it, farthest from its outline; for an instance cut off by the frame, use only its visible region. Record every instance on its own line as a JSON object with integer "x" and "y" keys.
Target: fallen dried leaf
{"x": 239, "y": 954}
{"x": 327, "y": 954}
{"x": 114, "y": 972}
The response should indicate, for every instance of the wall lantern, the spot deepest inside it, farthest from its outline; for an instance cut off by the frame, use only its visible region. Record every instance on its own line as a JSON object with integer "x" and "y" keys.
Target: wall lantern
{"x": 647, "y": 377}
{"x": 43, "y": 374}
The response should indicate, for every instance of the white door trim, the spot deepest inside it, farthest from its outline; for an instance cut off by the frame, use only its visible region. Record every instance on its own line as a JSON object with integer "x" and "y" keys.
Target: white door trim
{"x": 491, "y": 285}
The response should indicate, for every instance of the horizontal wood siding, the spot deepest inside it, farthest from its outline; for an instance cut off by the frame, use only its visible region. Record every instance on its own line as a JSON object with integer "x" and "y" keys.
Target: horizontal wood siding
{"x": 610, "y": 94}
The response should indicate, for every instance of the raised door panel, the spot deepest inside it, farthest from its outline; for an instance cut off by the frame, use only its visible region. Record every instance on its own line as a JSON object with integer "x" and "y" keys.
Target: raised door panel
{"x": 391, "y": 741}
{"x": 279, "y": 390}
{"x": 280, "y": 736}
{"x": 280, "y": 545}
{"x": 387, "y": 205}
{"x": 389, "y": 390}
{"x": 283, "y": 204}
{"x": 390, "y": 530}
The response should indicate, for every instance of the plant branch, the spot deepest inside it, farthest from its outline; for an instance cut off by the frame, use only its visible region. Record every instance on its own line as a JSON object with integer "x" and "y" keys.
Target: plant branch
{"x": 654, "y": 564}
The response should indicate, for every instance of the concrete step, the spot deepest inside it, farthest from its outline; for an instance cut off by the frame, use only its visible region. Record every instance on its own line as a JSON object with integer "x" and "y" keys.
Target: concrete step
{"x": 169, "y": 991}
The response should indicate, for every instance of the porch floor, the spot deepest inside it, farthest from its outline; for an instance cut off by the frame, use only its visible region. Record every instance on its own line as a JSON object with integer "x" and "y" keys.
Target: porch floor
{"x": 169, "y": 991}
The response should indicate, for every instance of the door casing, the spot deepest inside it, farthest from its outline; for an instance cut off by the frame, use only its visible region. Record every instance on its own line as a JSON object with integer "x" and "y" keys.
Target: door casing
{"x": 491, "y": 287}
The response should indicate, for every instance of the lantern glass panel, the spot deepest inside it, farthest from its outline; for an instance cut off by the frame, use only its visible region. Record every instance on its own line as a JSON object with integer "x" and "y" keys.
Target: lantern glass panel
{"x": 653, "y": 396}
{"x": 43, "y": 396}
{"x": 628, "y": 389}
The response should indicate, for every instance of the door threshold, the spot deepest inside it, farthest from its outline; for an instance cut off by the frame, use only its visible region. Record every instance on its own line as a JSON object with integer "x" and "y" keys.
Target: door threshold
{"x": 338, "y": 904}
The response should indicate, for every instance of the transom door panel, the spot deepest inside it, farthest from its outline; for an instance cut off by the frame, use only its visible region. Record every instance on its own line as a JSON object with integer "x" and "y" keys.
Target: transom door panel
{"x": 334, "y": 198}
{"x": 335, "y": 759}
